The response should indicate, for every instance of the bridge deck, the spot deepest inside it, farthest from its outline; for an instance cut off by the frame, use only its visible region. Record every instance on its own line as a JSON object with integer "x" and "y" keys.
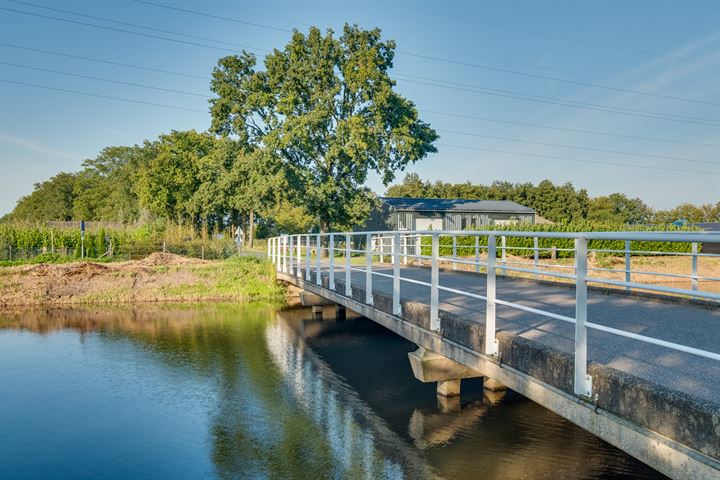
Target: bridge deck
{"x": 680, "y": 322}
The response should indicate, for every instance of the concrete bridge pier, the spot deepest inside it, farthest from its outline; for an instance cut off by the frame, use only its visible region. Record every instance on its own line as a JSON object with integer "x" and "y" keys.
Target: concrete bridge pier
{"x": 316, "y": 302}
{"x": 430, "y": 367}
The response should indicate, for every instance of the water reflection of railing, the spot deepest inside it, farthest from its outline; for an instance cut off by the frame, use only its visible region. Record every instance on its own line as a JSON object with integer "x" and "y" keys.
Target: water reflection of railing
{"x": 359, "y": 440}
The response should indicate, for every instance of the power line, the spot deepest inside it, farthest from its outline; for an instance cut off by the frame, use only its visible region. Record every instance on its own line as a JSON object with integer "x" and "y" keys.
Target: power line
{"x": 108, "y": 97}
{"x": 108, "y": 62}
{"x": 127, "y": 100}
{"x": 508, "y": 94}
{"x": 90, "y": 77}
{"x": 551, "y": 157}
{"x": 219, "y": 17}
{"x": 103, "y": 27}
{"x": 536, "y": 32}
{"x": 576, "y": 147}
{"x": 456, "y": 115}
{"x": 105, "y": 19}
{"x": 555, "y": 79}
{"x": 567, "y": 103}
{"x": 564, "y": 129}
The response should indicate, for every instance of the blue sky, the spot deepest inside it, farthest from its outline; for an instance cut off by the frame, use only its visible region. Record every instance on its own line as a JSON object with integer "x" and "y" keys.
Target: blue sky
{"x": 613, "y": 96}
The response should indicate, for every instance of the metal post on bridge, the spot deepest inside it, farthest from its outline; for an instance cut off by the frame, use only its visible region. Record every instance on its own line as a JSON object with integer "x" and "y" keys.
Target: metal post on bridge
{"x": 503, "y": 244}
{"x": 454, "y": 252}
{"x": 536, "y": 255}
{"x": 298, "y": 273}
{"x": 331, "y": 259}
{"x": 284, "y": 254}
{"x": 368, "y": 269}
{"x": 491, "y": 343}
{"x": 694, "y": 266}
{"x": 434, "y": 283}
{"x": 348, "y": 271}
{"x": 307, "y": 257}
{"x": 291, "y": 252}
{"x": 404, "y": 249}
{"x": 396, "y": 274}
{"x": 477, "y": 253}
{"x": 627, "y": 264}
{"x": 583, "y": 382}
{"x": 318, "y": 254}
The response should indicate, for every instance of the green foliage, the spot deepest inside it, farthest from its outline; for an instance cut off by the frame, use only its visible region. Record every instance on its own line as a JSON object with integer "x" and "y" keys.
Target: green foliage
{"x": 519, "y": 246}
{"x": 618, "y": 208}
{"x": 691, "y": 213}
{"x": 51, "y": 200}
{"x": 325, "y": 107}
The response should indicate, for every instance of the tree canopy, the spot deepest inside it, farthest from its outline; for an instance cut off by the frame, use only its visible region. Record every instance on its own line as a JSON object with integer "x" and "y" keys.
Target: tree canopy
{"x": 326, "y": 108}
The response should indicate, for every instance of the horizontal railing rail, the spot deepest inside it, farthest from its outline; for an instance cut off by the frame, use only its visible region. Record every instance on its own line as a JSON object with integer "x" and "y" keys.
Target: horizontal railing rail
{"x": 329, "y": 254}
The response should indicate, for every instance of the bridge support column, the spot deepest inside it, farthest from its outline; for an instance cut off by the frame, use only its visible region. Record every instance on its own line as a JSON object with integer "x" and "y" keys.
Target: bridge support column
{"x": 340, "y": 312}
{"x": 493, "y": 385}
{"x": 429, "y": 367}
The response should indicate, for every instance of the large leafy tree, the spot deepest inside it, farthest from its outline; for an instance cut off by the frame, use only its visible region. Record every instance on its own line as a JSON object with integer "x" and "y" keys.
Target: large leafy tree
{"x": 618, "y": 208}
{"x": 327, "y": 109}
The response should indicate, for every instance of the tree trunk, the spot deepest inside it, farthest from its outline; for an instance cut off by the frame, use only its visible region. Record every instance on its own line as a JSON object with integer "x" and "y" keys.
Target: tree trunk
{"x": 251, "y": 229}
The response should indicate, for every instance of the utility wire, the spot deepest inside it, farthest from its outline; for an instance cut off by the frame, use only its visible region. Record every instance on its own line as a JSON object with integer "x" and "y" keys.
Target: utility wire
{"x": 432, "y": 112}
{"x": 87, "y": 94}
{"x": 554, "y": 79}
{"x": 551, "y": 157}
{"x": 564, "y": 129}
{"x": 571, "y": 103}
{"x": 105, "y": 19}
{"x": 98, "y": 60}
{"x": 508, "y": 94}
{"x": 127, "y": 100}
{"x": 536, "y": 32}
{"x": 575, "y": 147}
{"x": 101, "y": 79}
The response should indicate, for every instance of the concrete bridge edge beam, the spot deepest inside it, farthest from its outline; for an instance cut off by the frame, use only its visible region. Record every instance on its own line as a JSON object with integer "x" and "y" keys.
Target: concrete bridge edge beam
{"x": 664, "y": 454}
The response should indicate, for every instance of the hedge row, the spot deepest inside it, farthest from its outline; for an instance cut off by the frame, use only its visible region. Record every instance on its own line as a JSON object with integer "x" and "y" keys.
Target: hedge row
{"x": 518, "y": 246}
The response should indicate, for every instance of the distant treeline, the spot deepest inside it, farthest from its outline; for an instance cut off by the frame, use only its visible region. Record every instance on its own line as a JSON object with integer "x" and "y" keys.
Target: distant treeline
{"x": 558, "y": 203}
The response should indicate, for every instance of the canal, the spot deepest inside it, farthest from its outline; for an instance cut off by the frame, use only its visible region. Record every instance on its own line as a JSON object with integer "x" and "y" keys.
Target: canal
{"x": 226, "y": 391}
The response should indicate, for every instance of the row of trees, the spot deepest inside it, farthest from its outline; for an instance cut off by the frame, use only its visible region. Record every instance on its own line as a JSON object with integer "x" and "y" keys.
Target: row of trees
{"x": 291, "y": 144}
{"x": 558, "y": 203}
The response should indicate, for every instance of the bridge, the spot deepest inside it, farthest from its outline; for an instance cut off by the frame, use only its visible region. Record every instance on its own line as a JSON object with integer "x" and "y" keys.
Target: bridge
{"x": 592, "y": 333}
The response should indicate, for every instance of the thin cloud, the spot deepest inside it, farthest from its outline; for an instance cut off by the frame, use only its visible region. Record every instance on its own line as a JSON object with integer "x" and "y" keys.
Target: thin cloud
{"x": 31, "y": 145}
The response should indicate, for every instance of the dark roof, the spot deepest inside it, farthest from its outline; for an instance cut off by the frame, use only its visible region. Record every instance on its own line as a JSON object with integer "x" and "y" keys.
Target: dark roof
{"x": 453, "y": 204}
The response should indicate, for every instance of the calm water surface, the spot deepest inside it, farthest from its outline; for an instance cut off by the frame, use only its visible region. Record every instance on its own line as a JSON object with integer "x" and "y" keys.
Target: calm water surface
{"x": 248, "y": 392}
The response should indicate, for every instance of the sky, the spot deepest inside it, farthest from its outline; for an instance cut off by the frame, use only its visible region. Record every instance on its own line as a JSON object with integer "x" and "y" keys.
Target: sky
{"x": 614, "y": 96}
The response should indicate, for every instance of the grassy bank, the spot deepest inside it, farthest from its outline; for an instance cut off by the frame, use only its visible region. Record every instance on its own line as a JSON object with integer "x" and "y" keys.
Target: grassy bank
{"x": 159, "y": 277}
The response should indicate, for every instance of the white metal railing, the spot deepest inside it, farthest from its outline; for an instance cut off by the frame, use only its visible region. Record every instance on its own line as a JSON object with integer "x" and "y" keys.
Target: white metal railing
{"x": 425, "y": 249}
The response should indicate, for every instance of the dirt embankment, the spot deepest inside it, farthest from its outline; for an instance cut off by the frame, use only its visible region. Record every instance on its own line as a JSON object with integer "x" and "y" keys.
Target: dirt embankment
{"x": 158, "y": 277}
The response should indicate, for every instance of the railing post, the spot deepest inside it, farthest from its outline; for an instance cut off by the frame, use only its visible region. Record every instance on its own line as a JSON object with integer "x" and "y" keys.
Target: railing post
{"x": 284, "y": 254}
{"x": 404, "y": 249}
{"x": 396, "y": 274}
{"x": 318, "y": 254}
{"x": 503, "y": 244}
{"x": 307, "y": 257}
{"x": 368, "y": 269}
{"x": 434, "y": 282}
{"x": 298, "y": 273}
{"x": 694, "y": 272}
{"x": 331, "y": 258}
{"x": 454, "y": 252}
{"x": 477, "y": 253}
{"x": 536, "y": 255}
{"x": 269, "y": 247}
{"x": 291, "y": 252}
{"x": 491, "y": 343}
{"x": 348, "y": 271}
{"x": 583, "y": 382}
{"x": 627, "y": 264}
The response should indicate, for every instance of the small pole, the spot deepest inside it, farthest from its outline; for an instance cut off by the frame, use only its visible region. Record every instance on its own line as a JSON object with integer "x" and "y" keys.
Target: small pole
{"x": 291, "y": 263}
{"x": 583, "y": 382}
{"x": 10, "y": 252}
{"x": 404, "y": 249}
{"x": 477, "y": 253}
{"x": 368, "y": 269}
{"x": 348, "y": 271}
{"x": 434, "y": 282}
{"x": 298, "y": 273}
{"x": 503, "y": 243}
{"x": 164, "y": 250}
{"x": 202, "y": 252}
{"x": 396, "y": 274}
{"x": 318, "y": 254}
{"x": 694, "y": 265}
{"x": 331, "y": 258}
{"x": 307, "y": 257}
{"x": 536, "y": 255}
{"x": 627, "y": 264}
{"x": 52, "y": 241}
{"x": 491, "y": 344}
{"x": 454, "y": 252}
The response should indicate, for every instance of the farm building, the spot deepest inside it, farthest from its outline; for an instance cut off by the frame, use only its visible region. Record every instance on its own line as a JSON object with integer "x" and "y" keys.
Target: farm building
{"x": 446, "y": 214}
